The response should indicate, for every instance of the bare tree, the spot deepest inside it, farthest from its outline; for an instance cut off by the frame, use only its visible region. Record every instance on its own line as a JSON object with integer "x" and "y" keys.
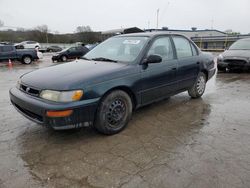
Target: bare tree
{"x": 43, "y": 29}
{"x": 82, "y": 29}
{"x": 20, "y": 29}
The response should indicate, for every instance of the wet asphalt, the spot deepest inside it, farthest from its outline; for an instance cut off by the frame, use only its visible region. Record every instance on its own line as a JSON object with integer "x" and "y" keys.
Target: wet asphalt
{"x": 180, "y": 142}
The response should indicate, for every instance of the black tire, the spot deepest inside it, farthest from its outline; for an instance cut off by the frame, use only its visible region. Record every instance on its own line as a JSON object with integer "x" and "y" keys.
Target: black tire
{"x": 64, "y": 58}
{"x": 197, "y": 90}
{"x": 26, "y": 60}
{"x": 222, "y": 69}
{"x": 113, "y": 113}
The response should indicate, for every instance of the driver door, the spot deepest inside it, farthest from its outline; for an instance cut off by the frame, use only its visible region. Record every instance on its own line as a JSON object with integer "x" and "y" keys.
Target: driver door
{"x": 72, "y": 52}
{"x": 159, "y": 79}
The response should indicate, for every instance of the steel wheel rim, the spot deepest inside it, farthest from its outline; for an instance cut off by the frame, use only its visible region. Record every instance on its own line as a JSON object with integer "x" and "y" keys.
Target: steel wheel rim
{"x": 64, "y": 58}
{"x": 116, "y": 113}
{"x": 201, "y": 84}
{"x": 27, "y": 60}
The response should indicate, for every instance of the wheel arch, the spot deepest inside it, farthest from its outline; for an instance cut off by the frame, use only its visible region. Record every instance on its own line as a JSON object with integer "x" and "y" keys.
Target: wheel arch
{"x": 125, "y": 89}
{"x": 66, "y": 55}
{"x": 27, "y": 55}
{"x": 206, "y": 73}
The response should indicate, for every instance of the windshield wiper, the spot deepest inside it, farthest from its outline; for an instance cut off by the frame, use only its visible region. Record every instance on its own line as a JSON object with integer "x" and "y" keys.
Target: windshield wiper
{"x": 104, "y": 59}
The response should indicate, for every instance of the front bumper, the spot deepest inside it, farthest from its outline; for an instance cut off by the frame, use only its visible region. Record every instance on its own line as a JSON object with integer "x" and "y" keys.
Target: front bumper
{"x": 56, "y": 58}
{"x": 35, "y": 109}
{"x": 232, "y": 64}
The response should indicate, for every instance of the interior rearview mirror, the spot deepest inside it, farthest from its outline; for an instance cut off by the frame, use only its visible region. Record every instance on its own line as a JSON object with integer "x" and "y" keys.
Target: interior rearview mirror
{"x": 153, "y": 59}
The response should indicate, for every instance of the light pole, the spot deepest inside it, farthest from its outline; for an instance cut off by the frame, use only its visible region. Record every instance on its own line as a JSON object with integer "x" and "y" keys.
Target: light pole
{"x": 1, "y": 23}
{"x": 157, "y": 18}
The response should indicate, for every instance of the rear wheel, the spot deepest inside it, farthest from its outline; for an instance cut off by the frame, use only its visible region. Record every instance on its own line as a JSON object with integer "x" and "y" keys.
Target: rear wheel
{"x": 197, "y": 90}
{"x": 26, "y": 60}
{"x": 113, "y": 113}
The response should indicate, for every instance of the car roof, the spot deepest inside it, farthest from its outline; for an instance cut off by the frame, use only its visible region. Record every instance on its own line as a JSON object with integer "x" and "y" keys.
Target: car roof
{"x": 148, "y": 34}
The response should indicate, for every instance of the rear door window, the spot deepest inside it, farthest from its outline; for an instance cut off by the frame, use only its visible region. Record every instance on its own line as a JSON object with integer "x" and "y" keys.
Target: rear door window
{"x": 73, "y": 49}
{"x": 30, "y": 42}
{"x": 183, "y": 47}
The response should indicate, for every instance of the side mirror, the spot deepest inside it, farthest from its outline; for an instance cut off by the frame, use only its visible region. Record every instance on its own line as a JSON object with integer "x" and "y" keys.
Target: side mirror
{"x": 152, "y": 59}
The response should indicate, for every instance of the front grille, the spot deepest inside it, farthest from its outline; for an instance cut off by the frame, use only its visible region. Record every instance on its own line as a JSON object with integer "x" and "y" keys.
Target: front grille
{"x": 235, "y": 62}
{"x": 29, "y": 90}
{"x": 29, "y": 113}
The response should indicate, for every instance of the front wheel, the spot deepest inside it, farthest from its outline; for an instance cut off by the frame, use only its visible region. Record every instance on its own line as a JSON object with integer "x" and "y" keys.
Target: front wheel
{"x": 197, "y": 90}
{"x": 64, "y": 58}
{"x": 113, "y": 113}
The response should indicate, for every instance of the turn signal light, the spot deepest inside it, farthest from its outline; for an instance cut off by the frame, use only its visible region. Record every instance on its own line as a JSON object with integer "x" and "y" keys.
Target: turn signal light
{"x": 77, "y": 95}
{"x": 63, "y": 113}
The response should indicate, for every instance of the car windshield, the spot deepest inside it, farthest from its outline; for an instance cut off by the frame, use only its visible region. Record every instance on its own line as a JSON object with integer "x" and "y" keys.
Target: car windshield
{"x": 240, "y": 45}
{"x": 65, "y": 49}
{"x": 121, "y": 49}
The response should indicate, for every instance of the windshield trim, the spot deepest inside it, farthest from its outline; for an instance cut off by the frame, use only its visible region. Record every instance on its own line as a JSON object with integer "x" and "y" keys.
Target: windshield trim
{"x": 126, "y": 62}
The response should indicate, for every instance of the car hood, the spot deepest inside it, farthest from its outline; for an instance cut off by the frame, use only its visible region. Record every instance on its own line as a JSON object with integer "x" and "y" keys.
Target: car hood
{"x": 236, "y": 53}
{"x": 75, "y": 75}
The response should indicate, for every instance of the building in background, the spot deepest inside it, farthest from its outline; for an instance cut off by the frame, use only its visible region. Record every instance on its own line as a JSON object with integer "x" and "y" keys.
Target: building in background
{"x": 191, "y": 33}
{"x": 208, "y": 39}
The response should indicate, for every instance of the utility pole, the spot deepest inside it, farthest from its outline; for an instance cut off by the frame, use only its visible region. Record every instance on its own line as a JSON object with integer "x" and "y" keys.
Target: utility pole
{"x": 212, "y": 24}
{"x": 47, "y": 38}
{"x": 157, "y": 18}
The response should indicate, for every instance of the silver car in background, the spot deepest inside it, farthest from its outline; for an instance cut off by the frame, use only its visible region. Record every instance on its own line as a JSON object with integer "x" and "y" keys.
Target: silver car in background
{"x": 237, "y": 56}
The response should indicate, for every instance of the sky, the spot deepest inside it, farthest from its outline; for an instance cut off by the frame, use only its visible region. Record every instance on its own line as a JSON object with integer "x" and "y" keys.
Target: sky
{"x": 64, "y": 16}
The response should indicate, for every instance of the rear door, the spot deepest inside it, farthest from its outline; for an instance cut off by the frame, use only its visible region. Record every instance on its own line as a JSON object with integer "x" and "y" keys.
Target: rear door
{"x": 159, "y": 79}
{"x": 7, "y": 52}
{"x": 80, "y": 51}
{"x": 188, "y": 62}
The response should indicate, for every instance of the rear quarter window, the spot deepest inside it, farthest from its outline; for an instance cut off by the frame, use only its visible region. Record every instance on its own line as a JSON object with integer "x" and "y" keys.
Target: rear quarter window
{"x": 194, "y": 50}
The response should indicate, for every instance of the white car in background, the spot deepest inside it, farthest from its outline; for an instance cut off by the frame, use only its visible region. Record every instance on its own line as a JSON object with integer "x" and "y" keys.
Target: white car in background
{"x": 27, "y": 44}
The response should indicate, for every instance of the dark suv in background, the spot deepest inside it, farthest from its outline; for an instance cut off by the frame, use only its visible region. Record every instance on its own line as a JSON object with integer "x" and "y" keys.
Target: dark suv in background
{"x": 26, "y": 56}
{"x": 70, "y": 53}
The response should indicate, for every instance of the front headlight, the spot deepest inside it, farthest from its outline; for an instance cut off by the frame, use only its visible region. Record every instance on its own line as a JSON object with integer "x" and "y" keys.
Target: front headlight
{"x": 18, "y": 84}
{"x": 62, "y": 96}
{"x": 220, "y": 57}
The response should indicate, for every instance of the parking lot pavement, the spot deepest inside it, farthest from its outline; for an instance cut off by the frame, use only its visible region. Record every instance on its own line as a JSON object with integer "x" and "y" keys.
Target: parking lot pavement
{"x": 178, "y": 142}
